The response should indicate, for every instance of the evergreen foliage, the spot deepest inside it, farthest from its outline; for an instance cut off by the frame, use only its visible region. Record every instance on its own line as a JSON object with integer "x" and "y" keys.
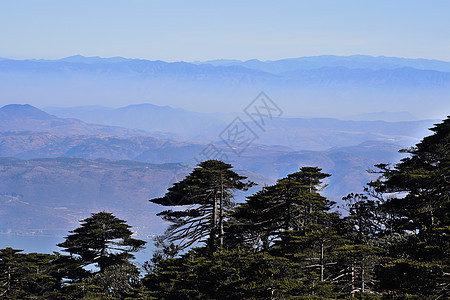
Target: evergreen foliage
{"x": 103, "y": 240}
{"x": 29, "y": 276}
{"x": 207, "y": 194}
{"x": 418, "y": 198}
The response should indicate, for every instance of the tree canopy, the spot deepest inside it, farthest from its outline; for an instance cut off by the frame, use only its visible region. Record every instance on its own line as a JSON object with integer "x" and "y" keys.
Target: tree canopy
{"x": 207, "y": 194}
{"x": 103, "y": 240}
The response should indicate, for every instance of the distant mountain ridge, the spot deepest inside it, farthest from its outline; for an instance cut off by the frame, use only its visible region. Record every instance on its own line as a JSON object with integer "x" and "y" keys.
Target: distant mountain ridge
{"x": 383, "y": 116}
{"x": 351, "y": 62}
{"x": 337, "y": 86}
{"x": 94, "y": 59}
{"x": 298, "y": 63}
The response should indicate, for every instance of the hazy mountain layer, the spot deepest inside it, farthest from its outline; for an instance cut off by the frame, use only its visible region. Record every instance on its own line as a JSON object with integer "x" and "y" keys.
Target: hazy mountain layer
{"x": 316, "y": 62}
{"x": 332, "y": 87}
{"x": 48, "y": 196}
{"x": 297, "y": 133}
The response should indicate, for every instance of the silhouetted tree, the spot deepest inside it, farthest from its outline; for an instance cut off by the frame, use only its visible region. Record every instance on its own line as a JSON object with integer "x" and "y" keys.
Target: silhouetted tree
{"x": 206, "y": 194}
{"x": 103, "y": 240}
{"x": 292, "y": 203}
{"x": 417, "y": 195}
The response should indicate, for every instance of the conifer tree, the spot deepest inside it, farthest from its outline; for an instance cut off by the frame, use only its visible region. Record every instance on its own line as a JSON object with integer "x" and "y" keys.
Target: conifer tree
{"x": 103, "y": 240}
{"x": 417, "y": 195}
{"x": 206, "y": 194}
{"x": 292, "y": 203}
{"x": 360, "y": 253}
{"x": 28, "y": 276}
{"x": 11, "y": 269}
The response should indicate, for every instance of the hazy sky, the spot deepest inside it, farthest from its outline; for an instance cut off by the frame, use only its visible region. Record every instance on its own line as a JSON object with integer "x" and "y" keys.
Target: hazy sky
{"x": 201, "y": 30}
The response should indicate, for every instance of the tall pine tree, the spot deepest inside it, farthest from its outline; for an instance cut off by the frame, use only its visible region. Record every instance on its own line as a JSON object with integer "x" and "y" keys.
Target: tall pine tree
{"x": 206, "y": 194}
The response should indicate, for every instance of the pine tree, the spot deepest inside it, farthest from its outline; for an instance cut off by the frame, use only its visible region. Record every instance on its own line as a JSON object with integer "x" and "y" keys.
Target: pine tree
{"x": 292, "y": 203}
{"x": 103, "y": 240}
{"x": 291, "y": 220}
{"x": 207, "y": 194}
{"x": 11, "y": 270}
{"x": 116, "y": 282}
{"x": 360, "y": 251}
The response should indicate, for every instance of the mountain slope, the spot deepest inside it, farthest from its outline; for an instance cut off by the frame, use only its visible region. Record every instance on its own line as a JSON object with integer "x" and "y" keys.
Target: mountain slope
{"x": 48, "y": 196}
{"x": 28, "y": 118}
{"x": 272, "y": 162}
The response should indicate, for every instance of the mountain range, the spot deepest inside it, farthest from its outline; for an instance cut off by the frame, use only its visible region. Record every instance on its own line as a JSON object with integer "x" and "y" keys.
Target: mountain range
{"x": 326, "y": 86}
{"x": 317, "y": 62}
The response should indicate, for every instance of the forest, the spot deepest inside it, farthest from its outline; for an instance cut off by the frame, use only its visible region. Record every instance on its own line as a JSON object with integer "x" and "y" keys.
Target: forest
{"x": 286, "y": 241}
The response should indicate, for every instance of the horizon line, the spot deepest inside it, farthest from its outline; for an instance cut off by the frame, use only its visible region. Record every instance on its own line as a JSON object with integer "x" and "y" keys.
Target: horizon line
{"x": 225, "y": 59}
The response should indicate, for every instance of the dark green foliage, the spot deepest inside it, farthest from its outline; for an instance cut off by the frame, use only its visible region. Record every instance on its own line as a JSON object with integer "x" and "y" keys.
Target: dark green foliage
{"x": 27, "y": 276}
{"x": 102, "y": 239}
{"x": 207, "y": 192}
{"x": 423, "y": 179}
{"x": 290, "y": 204}
{"x": 358, "y": 257}
{"x": 417, "y": 261}
{"x": 284, "y": 235}
{"x": 226, "y": 274}
{"x": 390, "y": 247}
{"x": 115, "y": 282}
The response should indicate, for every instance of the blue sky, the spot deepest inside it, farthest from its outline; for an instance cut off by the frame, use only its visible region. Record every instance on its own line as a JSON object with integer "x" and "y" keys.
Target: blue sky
{"x": 202, "y": 30}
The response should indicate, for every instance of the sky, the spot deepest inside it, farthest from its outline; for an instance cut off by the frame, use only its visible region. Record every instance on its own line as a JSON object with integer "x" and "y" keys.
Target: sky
{"x": 201, "y": 30}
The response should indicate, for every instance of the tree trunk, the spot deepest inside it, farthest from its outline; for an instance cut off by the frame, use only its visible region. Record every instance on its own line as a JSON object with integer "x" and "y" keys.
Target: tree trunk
{"x": 363, "y": 288}
{"x": 321, "y": 262}
{"x": 221, "y": 212}
{"x": 103, "y": 250}
{"x": 8, "y": 286}
{"x": 431, "y": 217}
{"x": 353, "y": 281}
{"x": 212, "y": 235}
{"x": 287, "y": 222}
